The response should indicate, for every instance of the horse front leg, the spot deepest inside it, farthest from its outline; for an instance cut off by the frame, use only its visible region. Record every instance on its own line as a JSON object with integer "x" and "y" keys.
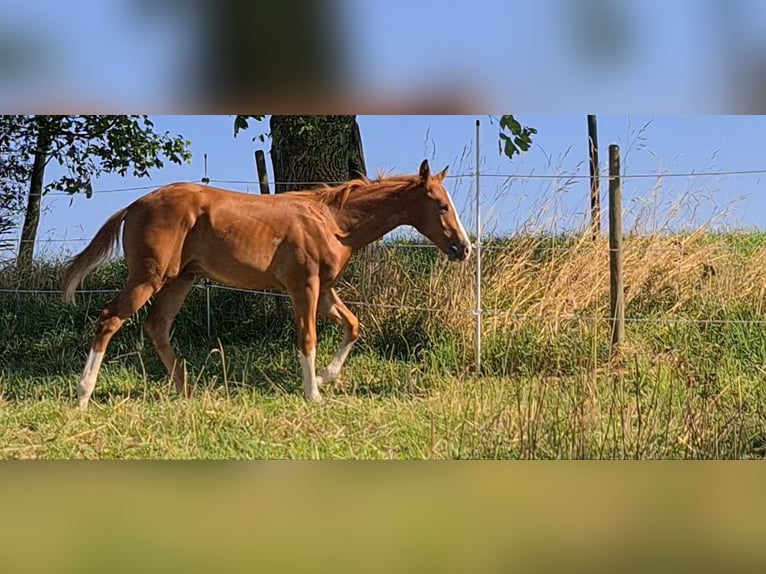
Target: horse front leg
{"x": 305, "y": 303}
{"x": 332, "y": 307}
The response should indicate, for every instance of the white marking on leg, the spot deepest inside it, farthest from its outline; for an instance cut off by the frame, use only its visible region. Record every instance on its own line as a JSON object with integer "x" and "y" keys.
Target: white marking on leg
{"x": 310, "y": 389}
{"x": 463, "y": 235}
{"x": 332, "y": 371}
{"x": 88, "y": 380}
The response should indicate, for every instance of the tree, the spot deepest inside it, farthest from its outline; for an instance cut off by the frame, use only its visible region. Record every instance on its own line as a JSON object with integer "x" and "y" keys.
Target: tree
{"x": 306, "y": 150}
{"x": 329, "y": 148}
{"x": 15, "y": 172}
{"x": 86, "y": 146}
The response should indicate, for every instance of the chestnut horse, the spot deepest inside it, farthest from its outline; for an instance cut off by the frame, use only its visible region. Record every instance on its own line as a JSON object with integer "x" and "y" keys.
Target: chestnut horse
{"x": 297, "y": 242}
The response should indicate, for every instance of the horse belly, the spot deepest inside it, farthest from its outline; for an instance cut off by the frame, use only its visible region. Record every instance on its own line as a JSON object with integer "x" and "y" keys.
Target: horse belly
{"x": 239, "y": 257}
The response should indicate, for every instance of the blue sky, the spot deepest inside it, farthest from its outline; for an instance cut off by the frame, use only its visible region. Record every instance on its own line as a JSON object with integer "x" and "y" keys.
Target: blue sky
{"x": 548, "y": 55}
{"x": 677, "y": 144}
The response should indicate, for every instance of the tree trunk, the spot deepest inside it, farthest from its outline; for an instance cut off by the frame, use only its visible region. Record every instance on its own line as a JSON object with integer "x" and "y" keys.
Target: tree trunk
{"x": 236, "y": 65}
{"x": 32, "y": 215}
{"x": 308, "y": 150}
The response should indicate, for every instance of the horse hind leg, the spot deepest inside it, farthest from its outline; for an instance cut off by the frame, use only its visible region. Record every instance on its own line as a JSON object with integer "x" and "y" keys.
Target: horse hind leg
{"x": 167, "y": 303}
{"x": 128, "y": 301}
{"x": 332, "y": 307}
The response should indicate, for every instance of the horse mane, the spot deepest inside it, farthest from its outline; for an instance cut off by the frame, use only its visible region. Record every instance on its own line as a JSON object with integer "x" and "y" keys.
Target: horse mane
{"x": 337, "y": 196}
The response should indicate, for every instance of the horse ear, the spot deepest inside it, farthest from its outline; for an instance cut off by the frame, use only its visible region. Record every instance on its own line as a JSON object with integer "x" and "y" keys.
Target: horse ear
{"x": 425, "y": 170}
{"x": 442, "y": 174}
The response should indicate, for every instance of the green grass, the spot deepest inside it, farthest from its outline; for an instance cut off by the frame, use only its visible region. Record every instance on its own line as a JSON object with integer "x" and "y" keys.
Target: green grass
{"x": 385, "y": 409}
{"x": 551, "y": 389}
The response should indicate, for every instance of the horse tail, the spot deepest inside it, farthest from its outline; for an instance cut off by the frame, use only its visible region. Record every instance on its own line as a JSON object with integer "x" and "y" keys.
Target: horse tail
{"x": 101, "y": 247}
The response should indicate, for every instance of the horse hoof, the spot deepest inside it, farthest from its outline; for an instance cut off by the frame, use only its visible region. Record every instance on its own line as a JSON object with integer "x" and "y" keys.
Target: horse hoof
{"x": 326, "y": 377}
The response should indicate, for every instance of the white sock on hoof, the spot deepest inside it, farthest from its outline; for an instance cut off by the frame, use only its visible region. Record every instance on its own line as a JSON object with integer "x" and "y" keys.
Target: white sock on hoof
{"x": 88, "y": 379}
{"x": 310, "y": 390}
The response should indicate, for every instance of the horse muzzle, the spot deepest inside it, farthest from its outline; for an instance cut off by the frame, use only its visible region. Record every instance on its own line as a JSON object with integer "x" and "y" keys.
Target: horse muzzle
{"x": 458, "y": 251}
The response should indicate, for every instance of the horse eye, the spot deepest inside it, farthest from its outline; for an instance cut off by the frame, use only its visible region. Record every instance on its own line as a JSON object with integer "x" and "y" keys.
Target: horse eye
{"x": 443, "y": 208}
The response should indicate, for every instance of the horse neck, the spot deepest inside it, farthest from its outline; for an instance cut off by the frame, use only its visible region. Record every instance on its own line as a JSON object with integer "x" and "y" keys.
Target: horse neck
{"x": 368, "y": 214}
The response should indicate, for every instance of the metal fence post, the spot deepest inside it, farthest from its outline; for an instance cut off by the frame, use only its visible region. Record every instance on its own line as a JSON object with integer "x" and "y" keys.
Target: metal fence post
{"x": 207, "y": 309}
{"x": 205, "y": 178}
{"x": 478, "y": 256}
{"x": 595, "y": 180}
{"x": 206, "y": 181}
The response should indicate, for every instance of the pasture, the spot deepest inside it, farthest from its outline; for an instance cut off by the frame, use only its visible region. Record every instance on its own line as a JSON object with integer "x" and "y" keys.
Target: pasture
{"x": 689, "y": 383}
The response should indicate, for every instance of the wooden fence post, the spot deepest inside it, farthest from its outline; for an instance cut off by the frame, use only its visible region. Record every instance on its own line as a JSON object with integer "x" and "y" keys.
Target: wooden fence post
{"x": 263, "y": 175}
{"x": 616, "y": 290}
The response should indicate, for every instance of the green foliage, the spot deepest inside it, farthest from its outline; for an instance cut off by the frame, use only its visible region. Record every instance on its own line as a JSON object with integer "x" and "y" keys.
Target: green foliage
{"x": 87, "y": 146}
{"x": 242, "y": 123}
{"x": 520, "y": 138}
{"x": 315, "y": 134}
{"x": 15, "y": 172}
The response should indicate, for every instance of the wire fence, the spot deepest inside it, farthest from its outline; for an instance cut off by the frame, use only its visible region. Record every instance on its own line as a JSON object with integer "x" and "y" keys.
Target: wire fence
{"x": 473, "y": 309}
{"x": 466, "y": 175}
{"x": 486, "y": 312}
